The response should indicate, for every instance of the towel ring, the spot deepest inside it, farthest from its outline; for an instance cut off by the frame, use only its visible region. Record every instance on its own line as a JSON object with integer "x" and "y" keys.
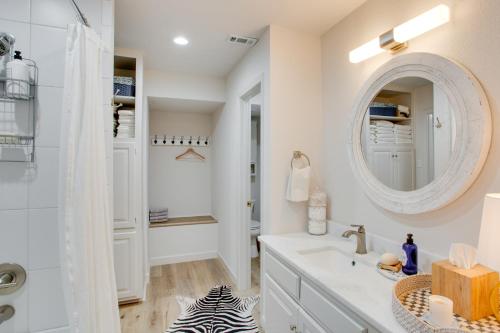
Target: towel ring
{"x": 297, "y": 155}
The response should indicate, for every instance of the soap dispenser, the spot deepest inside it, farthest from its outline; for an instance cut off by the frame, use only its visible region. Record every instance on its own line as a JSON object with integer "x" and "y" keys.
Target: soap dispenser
{"x": 410, "y": 249}
{"x": 18, "y": 73}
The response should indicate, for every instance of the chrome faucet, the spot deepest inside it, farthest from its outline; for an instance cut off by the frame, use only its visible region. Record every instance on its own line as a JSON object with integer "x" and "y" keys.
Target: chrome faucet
{"x": 361, "y": 237}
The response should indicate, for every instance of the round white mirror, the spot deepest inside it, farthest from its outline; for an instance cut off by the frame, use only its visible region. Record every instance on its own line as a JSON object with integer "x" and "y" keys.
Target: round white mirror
{"x": 420, "y": 133}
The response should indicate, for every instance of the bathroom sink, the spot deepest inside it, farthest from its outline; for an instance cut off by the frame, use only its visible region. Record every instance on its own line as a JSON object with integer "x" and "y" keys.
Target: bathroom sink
{"x": 330, "y": 257}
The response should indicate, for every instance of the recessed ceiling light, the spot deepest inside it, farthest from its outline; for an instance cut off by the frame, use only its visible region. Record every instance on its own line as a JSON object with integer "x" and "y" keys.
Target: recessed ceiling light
{"x": 181, "y": 40}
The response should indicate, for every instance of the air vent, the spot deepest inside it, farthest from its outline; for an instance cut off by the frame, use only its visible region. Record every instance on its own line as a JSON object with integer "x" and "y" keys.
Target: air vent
{"x": 248, "y": 41}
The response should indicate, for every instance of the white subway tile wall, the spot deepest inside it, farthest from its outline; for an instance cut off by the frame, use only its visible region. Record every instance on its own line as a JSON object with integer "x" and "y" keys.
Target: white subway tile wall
{"x": 28, "y": 193}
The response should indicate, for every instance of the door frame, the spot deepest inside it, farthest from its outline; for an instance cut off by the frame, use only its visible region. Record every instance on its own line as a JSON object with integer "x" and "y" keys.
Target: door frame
{"x": 244, "y": 263}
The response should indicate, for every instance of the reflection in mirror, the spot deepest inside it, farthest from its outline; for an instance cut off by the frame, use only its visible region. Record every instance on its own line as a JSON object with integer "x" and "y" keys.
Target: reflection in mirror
{"x": 408, "y": 133}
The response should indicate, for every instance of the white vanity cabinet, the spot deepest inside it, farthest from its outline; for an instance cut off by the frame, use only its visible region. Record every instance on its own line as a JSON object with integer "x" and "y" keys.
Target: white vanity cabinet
{"x": 284, "y": 314}
{"x": 281, "y": 310}
{"x": 293, "y": 304}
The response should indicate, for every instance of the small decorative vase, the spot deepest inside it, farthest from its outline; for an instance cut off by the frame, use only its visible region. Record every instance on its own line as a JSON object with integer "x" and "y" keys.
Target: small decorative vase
{"x": 317, "y": 213}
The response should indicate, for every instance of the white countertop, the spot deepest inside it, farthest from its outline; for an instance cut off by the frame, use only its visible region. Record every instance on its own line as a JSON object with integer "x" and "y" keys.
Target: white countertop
{"x": 363, "y": 290}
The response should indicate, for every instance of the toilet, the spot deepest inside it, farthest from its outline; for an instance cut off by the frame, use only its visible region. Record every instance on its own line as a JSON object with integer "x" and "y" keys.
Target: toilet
{"x": 254, "y": 233}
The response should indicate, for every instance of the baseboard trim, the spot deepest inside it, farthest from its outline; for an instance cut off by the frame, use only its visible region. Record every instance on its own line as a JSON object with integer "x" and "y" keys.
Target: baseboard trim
{"x": 231, "y": 273}
{"x": 174, "y": 259}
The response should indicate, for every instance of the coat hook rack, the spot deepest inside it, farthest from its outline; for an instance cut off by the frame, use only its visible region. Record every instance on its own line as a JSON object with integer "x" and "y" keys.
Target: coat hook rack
{"x": 180, "y": 140}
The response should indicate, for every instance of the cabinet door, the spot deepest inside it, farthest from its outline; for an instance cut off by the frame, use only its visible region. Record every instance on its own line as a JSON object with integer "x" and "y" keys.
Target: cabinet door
{"x": 281, "y": 311}
{"x": 126, "y": 268}
{"x": 308, "y": 325}
{"x": 123, "y": 185}
{"x": 381, "y": 165}
{"x": 404, "y": 170}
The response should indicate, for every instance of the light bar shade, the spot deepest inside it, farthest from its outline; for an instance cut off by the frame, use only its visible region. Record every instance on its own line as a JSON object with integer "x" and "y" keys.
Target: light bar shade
{"x": 421, "y": 24}
{"x": 401, "y": 34}
{"x": 489, "y": 243}
{"x": 365, "y": 51}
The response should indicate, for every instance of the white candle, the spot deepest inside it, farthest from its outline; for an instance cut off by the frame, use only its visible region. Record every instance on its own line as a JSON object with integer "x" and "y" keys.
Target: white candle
{"x": 441, "y": 310}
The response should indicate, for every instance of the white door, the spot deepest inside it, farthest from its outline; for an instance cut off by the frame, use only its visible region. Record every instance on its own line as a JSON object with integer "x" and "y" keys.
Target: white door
{"x": 308, "y": 325}
{"x": 404, "y": 171}
{"x": 123, "y": 185}
{"x": 126, "y": 268}
{"x": 281, "y": 311}
{"x": 381, "y": 165}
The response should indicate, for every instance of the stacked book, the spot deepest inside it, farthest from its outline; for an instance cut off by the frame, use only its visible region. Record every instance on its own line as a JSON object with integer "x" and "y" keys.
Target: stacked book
{"x": 158, "y": 215}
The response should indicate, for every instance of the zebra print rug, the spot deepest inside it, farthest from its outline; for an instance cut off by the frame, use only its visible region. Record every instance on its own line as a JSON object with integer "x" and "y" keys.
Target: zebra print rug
{"x": 218, "y": 312}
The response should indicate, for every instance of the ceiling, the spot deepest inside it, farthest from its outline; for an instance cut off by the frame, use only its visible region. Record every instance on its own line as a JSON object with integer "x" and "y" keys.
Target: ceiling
{"x": 183, "y": 105}
{"x": 407, "y": 83}
{"x": 150, "y": 25}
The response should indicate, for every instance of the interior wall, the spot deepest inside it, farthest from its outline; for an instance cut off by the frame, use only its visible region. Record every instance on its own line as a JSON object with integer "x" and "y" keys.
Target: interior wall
{"x": 184, "y": 86}
{"x": 471, "y": 38}
{"x": 184, "y": 187}
{"x": 296, "y": 122}
{"x": 29, "y": 192}
{"x": 289, "y": 63}
{"x": 423, "y": 105}
{"x": 226, "y": 140}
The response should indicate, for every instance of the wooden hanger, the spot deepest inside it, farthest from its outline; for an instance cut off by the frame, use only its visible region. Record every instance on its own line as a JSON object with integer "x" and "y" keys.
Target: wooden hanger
{"x": 190, "y": 151}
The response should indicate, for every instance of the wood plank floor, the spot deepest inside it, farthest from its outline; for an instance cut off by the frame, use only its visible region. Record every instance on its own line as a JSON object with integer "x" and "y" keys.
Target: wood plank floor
{"x": 192, "y": 279}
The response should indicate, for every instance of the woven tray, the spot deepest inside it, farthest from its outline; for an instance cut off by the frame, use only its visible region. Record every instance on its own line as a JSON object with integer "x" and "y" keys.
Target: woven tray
{"x": 410, "y": 301}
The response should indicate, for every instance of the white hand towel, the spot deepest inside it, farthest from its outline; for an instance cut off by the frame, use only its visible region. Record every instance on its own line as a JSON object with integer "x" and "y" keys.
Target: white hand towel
{"x": 298, "y": 184}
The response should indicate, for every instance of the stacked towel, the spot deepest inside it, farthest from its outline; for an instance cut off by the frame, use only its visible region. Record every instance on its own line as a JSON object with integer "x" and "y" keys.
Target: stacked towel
{"x": 126, "y": 120}
{"x": 403, "y": 134}
{"x": 386, "y": 132}
{"x": 159, "y": 215}
{"x": 381, "y": 131}
{"x": 404, "y": 110}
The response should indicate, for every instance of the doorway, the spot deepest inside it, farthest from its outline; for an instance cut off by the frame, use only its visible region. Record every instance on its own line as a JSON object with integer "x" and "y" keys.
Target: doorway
{"x": 250, "y": 225}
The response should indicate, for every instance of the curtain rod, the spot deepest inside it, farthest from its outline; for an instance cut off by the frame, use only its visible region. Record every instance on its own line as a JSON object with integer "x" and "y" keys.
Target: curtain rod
{"x": 82, "y": 17}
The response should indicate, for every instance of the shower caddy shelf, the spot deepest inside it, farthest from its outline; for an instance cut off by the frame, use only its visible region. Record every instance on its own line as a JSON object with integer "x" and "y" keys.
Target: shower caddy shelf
{"x": 13, "y": 93}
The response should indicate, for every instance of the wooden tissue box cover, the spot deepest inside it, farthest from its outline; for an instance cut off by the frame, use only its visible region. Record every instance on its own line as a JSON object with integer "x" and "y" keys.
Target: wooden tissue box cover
{"x": 468, "y": 288}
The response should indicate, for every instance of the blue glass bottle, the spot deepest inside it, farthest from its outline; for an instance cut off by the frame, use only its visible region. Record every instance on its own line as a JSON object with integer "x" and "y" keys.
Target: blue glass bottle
{"x": 411, "y": 267}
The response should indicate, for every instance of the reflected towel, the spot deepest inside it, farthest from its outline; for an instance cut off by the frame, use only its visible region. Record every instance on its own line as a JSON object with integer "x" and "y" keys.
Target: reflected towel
{"x": 382, "y": 123}
{"x": 383, "y": 135}
{"x": 384, "y": 131}
{"x": 298, "y": 184}
{"x": 402, "y": 127}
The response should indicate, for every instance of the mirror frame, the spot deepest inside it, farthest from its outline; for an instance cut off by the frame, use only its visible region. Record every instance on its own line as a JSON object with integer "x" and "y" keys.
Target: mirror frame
{"x": 473, "y": 135}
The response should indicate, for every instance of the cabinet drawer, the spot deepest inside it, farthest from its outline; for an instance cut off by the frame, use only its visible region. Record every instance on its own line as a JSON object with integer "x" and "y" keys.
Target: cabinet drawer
{"x": 327, "y": 313}
{"x": 286, "y": 278}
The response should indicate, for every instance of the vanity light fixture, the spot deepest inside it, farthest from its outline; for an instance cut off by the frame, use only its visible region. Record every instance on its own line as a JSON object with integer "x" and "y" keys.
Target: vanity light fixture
{"x": 397, "y": 38}
{"x": 180, "y": 40}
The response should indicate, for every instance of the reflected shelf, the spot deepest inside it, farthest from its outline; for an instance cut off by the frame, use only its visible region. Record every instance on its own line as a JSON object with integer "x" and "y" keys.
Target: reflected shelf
{"x": 389, "y": 118}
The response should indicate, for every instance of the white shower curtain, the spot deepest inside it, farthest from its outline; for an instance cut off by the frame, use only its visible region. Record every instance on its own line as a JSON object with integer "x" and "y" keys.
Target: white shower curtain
{"x": 84, "y": 203}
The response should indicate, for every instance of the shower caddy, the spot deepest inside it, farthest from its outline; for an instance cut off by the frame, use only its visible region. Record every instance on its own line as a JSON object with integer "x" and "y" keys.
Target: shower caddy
{"x": 18, "y": 147}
